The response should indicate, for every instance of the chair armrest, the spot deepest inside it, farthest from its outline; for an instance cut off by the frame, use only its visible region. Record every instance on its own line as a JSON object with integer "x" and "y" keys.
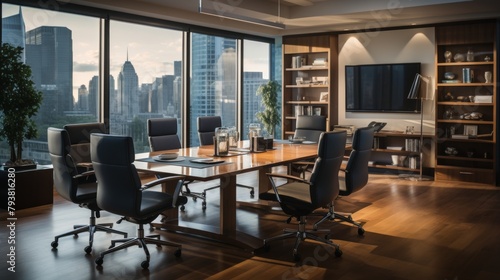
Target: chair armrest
{"x": 177, "y": 190}
{"x": 161, "y": 181}
{"x": 286, "y": 176}
{"x": 84, "y": 174}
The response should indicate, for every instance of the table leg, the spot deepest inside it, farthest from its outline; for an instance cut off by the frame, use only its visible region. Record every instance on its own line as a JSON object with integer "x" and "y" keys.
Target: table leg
{"x": 170, "y": 215}
{"x": 228, "y": 205}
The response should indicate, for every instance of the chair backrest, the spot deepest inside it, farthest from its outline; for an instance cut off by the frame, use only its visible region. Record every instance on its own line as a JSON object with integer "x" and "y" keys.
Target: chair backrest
{"x": 310, "y": 127}
{"x": 324, "y": 177}
{"x": 79, "y": 136}
{"x": 64, "y": 167}
{"x": 356, "y": 172}
{"x": 206, "y": 129}
{"x": 162, "y": 134}
{"x": 119, "y": 185}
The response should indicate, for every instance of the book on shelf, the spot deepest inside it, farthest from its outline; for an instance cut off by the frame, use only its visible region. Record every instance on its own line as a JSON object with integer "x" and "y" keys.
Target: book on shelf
{"x": 460, "y": 136}
{"x": 451, "y": 81}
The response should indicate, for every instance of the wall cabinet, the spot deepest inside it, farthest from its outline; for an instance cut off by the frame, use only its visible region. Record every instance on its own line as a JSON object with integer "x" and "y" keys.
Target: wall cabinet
{"x": 466, "y": 112}
{"x": 309, "y": 79}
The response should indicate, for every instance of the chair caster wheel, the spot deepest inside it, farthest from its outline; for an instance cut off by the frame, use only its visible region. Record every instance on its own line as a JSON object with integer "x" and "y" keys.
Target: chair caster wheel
{"x": 54, "y": 244}
{"x": 204, "y": 206}
{"x": 145, "y": 264}
{"x": 252, "y": 193}
{"x": 194, "y": 199}
{"x": 183, "y": 208}
{"x": 99, "y": 261}
{"x": 338, "y": 252}
{"x": 178, "y": 253}
{"x": 88, "y": 249}
{"x": 361, "y": 231}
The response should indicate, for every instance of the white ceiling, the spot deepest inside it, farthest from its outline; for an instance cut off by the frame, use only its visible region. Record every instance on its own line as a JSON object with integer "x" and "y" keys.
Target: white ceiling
{"x": 309, "y": 16}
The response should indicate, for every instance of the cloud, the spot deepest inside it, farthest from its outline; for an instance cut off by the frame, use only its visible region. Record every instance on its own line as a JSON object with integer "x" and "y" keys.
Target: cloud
{"x": 84, "y": 67}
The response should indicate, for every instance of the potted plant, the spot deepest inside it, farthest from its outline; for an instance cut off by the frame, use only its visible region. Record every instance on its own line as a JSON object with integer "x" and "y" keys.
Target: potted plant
{"x": 270, "y": 116}
{"x": 19, "y": 102}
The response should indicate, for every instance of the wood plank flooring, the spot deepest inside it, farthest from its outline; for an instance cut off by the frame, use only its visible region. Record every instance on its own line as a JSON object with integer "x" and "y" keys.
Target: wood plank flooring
{"x": 414, "y": 230}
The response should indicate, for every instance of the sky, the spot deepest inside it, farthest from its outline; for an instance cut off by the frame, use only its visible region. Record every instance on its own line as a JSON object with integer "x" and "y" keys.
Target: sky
{"x": 151, "y": 50}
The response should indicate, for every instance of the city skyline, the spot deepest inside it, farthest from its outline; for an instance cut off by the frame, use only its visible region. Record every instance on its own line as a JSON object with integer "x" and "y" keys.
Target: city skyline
{"x": 142, "y": 49}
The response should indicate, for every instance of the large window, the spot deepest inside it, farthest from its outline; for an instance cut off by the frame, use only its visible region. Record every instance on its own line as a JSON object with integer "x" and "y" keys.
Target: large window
{"x": 214, "y": 66}
{"x": 145, "y": 82}
{"x": 63, "y": 52}
{"x": 145, "y": 71}
{"x": 256, "y": 72}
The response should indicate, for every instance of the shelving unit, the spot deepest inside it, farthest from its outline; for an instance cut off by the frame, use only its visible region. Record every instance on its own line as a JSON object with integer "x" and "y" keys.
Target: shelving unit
{"x": 473, "y": 157}
{"x": 317, "y": 80}
{"x": 381, "y": 156}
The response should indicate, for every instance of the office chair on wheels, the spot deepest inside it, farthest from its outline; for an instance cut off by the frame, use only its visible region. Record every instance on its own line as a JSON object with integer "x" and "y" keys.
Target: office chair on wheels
{"x": 309, "y": 128}
{"x": 162, "y": 135}
{"x": 206, "y": 132}
{"x": 355, "y": 174}
{"x": 299, "y": 198}
{"x": 79, "y": 188}
{"x": 120, "y": 192}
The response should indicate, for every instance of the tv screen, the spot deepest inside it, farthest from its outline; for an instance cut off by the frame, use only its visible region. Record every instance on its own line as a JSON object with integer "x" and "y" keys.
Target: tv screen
{"x": 381, "y": 88}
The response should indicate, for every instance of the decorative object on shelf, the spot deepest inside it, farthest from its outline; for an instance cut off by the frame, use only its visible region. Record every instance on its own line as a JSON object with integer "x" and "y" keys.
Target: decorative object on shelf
{"x": 323, "y": 97}
{"x": 470, "y": 154}
{"x": 395, "y": 160}
{"x": 449, "y": 114}
{"x": 470, "y": 130}
{"x": 317, "y": 111}
{"x": 417, "y": 93}
{"x": 452, "y": 130}
{"x": 448, "y": 96}
{"x": 483, "y": 99}
{"x": 487, "y": 58}
{"x": 299, "y": 80}
{"x": 470, "y": 55}
{"x": 471, "y": 116}
{"x": 459, "y": 57}
{"x": 488, "y": 77}
{"x": 447, "y": 56}
{"x": 451, "y": 151}
{"x": 449, "y": 75}
{"x": 410, "y": 129}
{"x": 462, "y": 98}
{"x": 467, "y": 75}
{"x": 471, "y": 98}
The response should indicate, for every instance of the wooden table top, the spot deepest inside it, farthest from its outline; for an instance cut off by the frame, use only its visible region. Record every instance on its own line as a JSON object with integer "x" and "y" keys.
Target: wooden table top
{"x": 283, "y": 153}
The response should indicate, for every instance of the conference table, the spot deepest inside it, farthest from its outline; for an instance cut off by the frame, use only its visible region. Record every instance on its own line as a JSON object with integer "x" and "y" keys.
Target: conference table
{"x": 237, "y": 162}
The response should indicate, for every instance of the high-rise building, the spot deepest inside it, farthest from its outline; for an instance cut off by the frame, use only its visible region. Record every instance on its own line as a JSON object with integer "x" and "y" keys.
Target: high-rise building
{"x": 14, "y": 30}
{"x": 205, "y": 101}
{"x": 127, "y": 96}
{"x": 49, "y": 52}
{"x": 83, "y": 99}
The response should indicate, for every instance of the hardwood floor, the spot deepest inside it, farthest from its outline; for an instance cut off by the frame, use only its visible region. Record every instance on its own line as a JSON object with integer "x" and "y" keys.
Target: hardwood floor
{"x": 414, "y": 230}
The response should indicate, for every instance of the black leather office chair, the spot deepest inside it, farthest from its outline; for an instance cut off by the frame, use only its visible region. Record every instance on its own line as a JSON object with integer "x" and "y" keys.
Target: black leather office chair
{"x": 309, "y": 128}
{"x": 162, "y": 135}
{"x": 206, "y": 132}
{"x": 120, "y": 192}
{"x": 79, "y": 188}
{"x": 355, "y": 175}
{"x": 299, "y": 198}
{"x": 79, "y": 137}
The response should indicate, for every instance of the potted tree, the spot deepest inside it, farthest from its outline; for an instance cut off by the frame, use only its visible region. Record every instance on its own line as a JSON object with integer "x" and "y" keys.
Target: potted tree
{"x": 19, "y": 102}
{"x": 270, "y": 116}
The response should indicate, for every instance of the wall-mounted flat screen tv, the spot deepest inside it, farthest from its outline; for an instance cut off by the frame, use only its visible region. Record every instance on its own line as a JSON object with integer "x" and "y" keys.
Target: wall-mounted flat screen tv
{"x": 381, "y": 88}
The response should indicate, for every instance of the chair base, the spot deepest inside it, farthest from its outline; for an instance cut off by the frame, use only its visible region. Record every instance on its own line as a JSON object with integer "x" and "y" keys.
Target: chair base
{"x": 195, "y": 196}
{"x": 92, "y": 228}
{"x": 345, "y": 217}
{"x": 302, "y": 234}
{"x": 140, "y": 241}
{"x": 252, "y": 190}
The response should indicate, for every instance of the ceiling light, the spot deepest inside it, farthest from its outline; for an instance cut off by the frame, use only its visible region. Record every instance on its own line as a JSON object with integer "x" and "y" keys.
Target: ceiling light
{"x": 224, "y": 11}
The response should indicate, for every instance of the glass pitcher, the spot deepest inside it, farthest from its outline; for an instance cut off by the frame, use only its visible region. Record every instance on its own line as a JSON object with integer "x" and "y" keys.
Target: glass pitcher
{"x": 221, "y": 141}
{"x": 233, "y": 135}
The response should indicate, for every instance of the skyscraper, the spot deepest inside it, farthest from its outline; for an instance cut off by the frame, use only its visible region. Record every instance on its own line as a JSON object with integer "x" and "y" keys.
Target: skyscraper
{"x": 49, "y": 52}
{"x": 127, "y": 96}
{"x": 13, "y": 31}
